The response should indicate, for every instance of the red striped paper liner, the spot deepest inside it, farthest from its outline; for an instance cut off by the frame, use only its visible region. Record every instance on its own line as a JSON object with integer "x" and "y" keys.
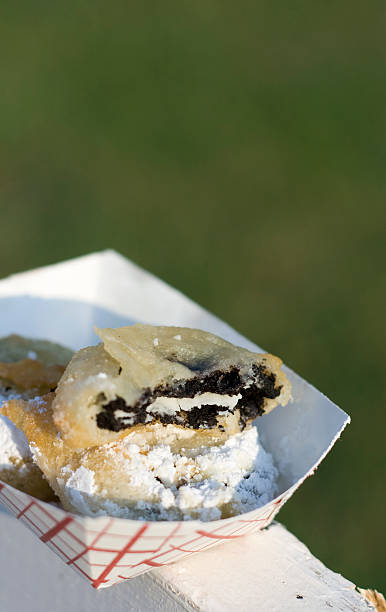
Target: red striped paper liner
{"x": 107, "y": 550}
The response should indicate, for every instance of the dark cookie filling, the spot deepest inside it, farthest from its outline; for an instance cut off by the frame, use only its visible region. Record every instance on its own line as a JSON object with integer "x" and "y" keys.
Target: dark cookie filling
{"x": 250, "y": 405}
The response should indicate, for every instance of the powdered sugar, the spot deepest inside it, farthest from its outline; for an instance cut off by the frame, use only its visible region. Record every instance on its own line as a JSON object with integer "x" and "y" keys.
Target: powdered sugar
{"x": 156, "y": 484}
{"x": 82, "y": 480}
{"x": 80, "y": 486}
{"x": 13, "y": 443}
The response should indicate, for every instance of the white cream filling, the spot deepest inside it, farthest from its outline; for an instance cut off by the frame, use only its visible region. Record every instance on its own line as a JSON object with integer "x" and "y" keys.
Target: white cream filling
{"x": 172, "y": 405}
{"x": 127, "y": 417}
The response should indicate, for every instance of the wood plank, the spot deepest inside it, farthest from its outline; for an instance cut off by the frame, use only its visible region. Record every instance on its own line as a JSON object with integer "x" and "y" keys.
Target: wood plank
{"x": 265, "y": 571}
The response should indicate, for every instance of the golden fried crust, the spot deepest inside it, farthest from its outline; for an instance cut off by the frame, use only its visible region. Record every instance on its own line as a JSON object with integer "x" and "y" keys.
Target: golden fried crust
{"x": 29, "y": 368}
{"x": 30, "y": 374}
{"x": 25, "y": 474}
{"x": 34, "y": 419}
{"x": 27, "y": 477}
{"x": 16, "y": 348}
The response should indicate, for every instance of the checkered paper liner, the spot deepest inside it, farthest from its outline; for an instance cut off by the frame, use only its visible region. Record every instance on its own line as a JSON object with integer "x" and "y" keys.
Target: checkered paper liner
{"x": 108, "y": 550}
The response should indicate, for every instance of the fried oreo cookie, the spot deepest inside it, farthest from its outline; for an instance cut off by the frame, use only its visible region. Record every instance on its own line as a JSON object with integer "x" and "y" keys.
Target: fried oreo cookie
{"x": 28, "y": 368}
{"x": 141, "y": 376}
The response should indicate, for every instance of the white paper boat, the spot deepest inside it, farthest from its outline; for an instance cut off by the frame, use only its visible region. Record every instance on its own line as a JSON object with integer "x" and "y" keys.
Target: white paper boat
{"x": 62, "y": 303}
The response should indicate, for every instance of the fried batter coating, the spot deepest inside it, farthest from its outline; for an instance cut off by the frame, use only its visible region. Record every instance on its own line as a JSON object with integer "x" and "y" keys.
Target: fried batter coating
{"x": 15, "y": 348}
{"x": 28, "y": 368}
{"x": 143, "y": 374}
{"x": 137, "y": 477}
{"x": 30, "y": 374}
{"x": 27, "y": 364}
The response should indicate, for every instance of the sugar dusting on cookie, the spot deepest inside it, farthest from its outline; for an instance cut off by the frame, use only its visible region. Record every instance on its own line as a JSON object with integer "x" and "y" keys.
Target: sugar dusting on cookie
{"x": 13, "y": 443}
{"x": 154, "y": 483}
{"x": 80, "y": 486}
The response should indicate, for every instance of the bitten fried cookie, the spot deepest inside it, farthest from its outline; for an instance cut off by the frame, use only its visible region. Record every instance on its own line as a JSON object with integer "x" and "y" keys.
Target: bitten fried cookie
{"x": 142, "y": 376}
{"x": 28, "y": 367}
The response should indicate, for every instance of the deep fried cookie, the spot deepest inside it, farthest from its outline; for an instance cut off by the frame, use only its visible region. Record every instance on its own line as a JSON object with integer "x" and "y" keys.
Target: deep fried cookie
{"x": 144, "y": 375}
{"x": 28, "y": 368}
{"x": 150, "y": 481}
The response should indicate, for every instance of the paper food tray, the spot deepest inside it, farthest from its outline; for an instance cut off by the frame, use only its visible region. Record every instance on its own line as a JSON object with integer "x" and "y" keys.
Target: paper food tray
{"x": 62, "y": 303}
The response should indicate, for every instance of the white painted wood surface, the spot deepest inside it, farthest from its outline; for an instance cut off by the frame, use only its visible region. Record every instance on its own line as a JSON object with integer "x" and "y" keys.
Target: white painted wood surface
{"x": 263, "y": 572}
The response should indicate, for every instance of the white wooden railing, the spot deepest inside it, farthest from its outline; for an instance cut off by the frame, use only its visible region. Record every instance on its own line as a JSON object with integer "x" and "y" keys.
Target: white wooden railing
{"x": 269, "y": 571}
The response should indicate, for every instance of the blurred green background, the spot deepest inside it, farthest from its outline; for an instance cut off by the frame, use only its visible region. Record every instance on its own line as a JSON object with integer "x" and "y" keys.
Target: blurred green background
{"x": 238, "y": 152}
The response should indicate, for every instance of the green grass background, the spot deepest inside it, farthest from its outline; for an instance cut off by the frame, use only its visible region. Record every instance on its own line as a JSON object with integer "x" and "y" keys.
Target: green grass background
{"x": 238, "y": 152}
